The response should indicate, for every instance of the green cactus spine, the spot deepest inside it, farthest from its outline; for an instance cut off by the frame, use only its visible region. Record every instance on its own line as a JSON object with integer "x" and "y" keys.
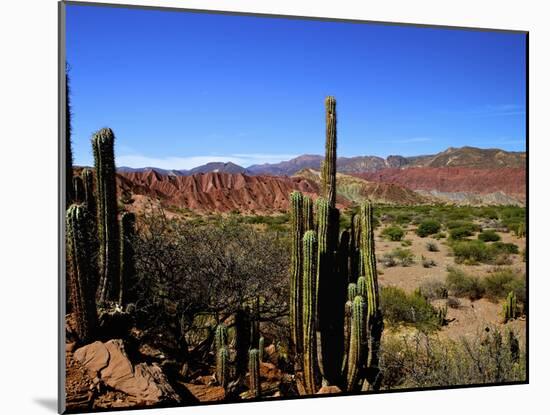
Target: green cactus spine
{"x": 222, "y": 366}
{"x": 357, "y": 343}
{"x": 81, "y": 272}
{"x": 352, "y": 291}
{"x": 309, "y": 312}
{"x": 329, "y": 166}
{"x": 254, "y": 373}
{"x": 308, "y": 214}
{"x": 127, "y": 260}
{"x": 108, "y": 230}
{"x": 510, "y": 307}
{"x": 297, "y": 226}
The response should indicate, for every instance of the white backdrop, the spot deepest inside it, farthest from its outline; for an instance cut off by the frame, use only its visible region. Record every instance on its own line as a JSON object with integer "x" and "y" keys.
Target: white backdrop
{"x": 28, "y": 227}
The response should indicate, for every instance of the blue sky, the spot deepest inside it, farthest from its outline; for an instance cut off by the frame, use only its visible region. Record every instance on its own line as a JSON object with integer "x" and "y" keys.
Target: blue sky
{"x": 180, "y": 89}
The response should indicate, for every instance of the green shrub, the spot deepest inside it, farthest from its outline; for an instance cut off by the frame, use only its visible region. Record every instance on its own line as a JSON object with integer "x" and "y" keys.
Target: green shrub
{"x": 403, "y": 219}
{"x": 393, "y": 233}
{"x": 472, "y": 227}
{"x": 434, "y": 289}
{"x": 472, "y": 252}
{"x": 405, "y": 256}
{"x": 440, "y": 235}
{"x": 428, "y": 227}
{"x": 428, "y": 263}
{"x": 406, "y": 242}
{"x": 461, "y": 284}
{"x": 432, "y": 247}
{"x": 504, "y": 248}
{"x": 499, "y": 283}
{"x": 402, "y": 308}
{"x": 488, "y": 236}
{"x": 460, "y": 233}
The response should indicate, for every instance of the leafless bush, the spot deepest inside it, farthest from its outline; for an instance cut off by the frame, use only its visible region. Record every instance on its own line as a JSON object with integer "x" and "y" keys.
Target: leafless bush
{"x": 424, "y": 361}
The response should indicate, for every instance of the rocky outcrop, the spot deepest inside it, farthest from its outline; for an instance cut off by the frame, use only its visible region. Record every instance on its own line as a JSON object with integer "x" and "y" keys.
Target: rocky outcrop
{"x": 109, "y": 363}
{"x": 217, "y": 192}
{"x": 504, "y": 184}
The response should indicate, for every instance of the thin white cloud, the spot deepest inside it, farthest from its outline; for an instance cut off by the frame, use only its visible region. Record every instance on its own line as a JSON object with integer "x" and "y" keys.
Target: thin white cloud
{"x": 186, "y": 163}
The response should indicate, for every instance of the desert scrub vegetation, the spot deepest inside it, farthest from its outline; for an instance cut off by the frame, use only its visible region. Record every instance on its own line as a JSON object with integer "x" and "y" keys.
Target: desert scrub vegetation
{"x": 428, "y": 227}
{"x": 488, "y": 236}
{"x": 423, "y": 360}
{"x": 401, "y": 256}
{"x": 496, "y": 286}
{"x": 471, "y": 252}
{"x": 432, "y": 247}
{"x": 461, "y": 284}
{"x": 434, "y": 289}
{"x": 185, "y": 270}
{"x": 408, "y": 309}
{"x": 393, "y": 233}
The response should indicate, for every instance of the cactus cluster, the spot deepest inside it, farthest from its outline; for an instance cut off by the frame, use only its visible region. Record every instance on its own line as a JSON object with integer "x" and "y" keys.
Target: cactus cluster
{"x": 335, "y": 316}
{"x": 510, "y": 308}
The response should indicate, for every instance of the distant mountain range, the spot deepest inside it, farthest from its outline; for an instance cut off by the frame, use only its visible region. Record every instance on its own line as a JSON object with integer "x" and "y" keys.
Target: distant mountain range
{"x": 470, "y": 157}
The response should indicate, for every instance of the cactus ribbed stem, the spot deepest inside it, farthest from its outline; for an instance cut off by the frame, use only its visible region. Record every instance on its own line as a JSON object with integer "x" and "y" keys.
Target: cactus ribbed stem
{"x": 254, "y": 373}
{"x": 222, "y": 366}
{"x": 352, "y": 291}
{"x": 261, "y": 348}
{"x": 89, "y": 196}
{"x": 309, "y": 312}
{"x": 358, "y": 342}
{"x": 297, "y": 226}
{"x": 329, "y": 166}
{"x": 510, "y": 307}
{"x": 308, "y": 214}
{"x": 369, "y": 258}
{"x": 220, "y": 336}
{"x": 108, "y": 230}
{"x": 81, "y": 272}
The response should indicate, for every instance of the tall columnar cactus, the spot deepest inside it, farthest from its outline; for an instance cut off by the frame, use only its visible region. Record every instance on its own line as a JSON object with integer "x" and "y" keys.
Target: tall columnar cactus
{"x": 357, "y": 344}
{"x": 510, "y": 307}
{"x": 109, "y": 252}
{"x": 331, "y": 293}
{"x": 222, "y": 366}
{"x": 127, "y": 260}
{"x": 254, "y": 373}
{"x": 329, "y": 166}
{"x": 309, "y": 313}
{"x": 222, "y": 355}
{"x": 220, "y": 336}
{"x": 81, "y": 270}
{"x": 340, "y": 339}
{"x": 78, "y": 190}
{"x": 374, "y": 314}
{"x": 68, "y": 145}
{"x": 297, "y": 224}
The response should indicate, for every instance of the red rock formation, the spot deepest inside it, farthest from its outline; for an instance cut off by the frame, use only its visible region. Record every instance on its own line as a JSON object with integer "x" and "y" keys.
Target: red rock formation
{"x": 218, "y": 192}
{"x": 511, "y": 181}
